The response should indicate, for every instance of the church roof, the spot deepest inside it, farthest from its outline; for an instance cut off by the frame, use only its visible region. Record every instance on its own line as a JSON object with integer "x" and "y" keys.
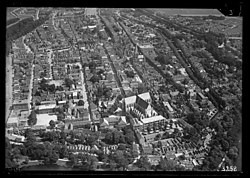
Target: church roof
{"x": 142, "y": 103}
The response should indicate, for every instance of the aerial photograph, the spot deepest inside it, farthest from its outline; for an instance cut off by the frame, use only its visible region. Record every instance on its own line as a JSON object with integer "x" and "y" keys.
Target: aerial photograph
{"x": 123, "y": 89}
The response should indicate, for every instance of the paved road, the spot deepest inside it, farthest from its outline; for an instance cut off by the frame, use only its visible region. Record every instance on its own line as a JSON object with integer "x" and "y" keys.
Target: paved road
{"x": 115, "y": 73}
{"x": 37, "y": 13}
{"x": 8, "y": 82}
{"x": 85, "y": 97}
{"x": 13, "y": 23}
{"x": 85, "y": 87}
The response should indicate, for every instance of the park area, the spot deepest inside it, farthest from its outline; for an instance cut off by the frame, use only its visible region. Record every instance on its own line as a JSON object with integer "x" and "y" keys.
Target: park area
{"x": 43, "y": 119}
{"x": 8, "y": 13}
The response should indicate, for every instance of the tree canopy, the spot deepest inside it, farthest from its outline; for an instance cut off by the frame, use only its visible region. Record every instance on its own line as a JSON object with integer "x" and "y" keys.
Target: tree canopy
{"x": 32, "y": 119}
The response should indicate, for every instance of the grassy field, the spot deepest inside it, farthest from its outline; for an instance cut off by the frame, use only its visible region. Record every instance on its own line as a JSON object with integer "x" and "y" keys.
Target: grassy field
{"x": 8, "y": 13}
{"x": 9, "y": 16}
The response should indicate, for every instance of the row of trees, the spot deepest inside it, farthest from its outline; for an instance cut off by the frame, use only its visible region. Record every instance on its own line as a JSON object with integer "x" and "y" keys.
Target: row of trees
{"x": 212, "y": 17}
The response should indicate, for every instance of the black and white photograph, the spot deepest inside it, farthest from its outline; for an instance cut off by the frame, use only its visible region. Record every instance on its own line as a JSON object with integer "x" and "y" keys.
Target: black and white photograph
{"x": 123, "y": 90}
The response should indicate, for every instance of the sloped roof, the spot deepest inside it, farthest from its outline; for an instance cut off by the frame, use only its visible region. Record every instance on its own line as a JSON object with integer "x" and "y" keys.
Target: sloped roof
{"x": 122, "y": 120}
{"x": 145, "y": 96}
{"x": 104, "y": 123}
{"x": 93, "y": 106}
{"x": 118, "y": 109}
{"x": 142, "y": 103}
{"x": 130, "y": 100}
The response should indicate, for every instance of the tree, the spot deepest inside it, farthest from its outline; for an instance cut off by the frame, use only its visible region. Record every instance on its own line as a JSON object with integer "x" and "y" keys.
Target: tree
{"x": 73, "y": 159}
{"x": 30, "y": 138}
{"x": 122, "y": 147}
{"x": 52, "y": 88}
{"x": 215, "y": 124}
{"x": 159, "y": 144}
{"x": 185, "y": 81}
{"x": 60, "y": 117}
{"x": 68, "y": 82}
{"x": 118, "y": 137}
{"x": 181, "y": 157}
{"x": 148, "y": 129}
{"x": 92, "y": 66}
{"x": 91, "y": 140}
{"x": 7, "y": 143}
{"x": 101, "y": 71}
{"x": 157, "y": 137}
{"x": 95, "y": 78}
{"x": 59, "y": 110}
{"x": 176, "y": 132}
{"x": 233, "y": 153}
{"x": 108, "y": 94}
{"x": 9, "y": 162}
{"x": 165, "y": 135}
{"x": 225, "y": 144}
{"x": 130, "y": 74}
{"x": 32, "y": 119}
{"x": 51, "y": 136}
{"x": 141, "y": 88}
{"x": 80, "y": 103}
{"x": 52, "y": 123}
{"x": 198, "y": 127}
{"x": 166, "y": 164}
{"x": 120, "y": 159}
{"x": 119, "y": 97}
{"x": 109, "y": 137}
{"x": 88, "y": 162}
{"x": 143, "y": 163}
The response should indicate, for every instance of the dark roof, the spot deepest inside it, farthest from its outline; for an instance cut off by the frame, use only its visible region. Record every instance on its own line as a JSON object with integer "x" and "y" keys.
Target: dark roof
{"x": 92, "y": 106}
{"x": 143, "y": 104}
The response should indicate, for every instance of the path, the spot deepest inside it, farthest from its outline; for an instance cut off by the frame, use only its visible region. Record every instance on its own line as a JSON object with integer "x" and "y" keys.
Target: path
{"x": 8, "y": 83}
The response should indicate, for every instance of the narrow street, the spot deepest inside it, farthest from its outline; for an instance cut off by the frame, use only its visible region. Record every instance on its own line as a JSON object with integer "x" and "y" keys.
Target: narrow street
{"x": 31, "y": 80}
{"x": 50, "y": 54}
{"x": 8, "y": 84}
{"x": 37, "y": 13}
{"x": 115, "y": 72}
{"x": 85, "y": 87}
{"x": 85, "y": 97}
